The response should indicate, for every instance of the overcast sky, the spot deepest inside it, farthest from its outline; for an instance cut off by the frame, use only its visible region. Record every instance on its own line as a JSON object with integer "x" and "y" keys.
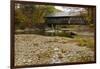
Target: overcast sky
{"x": 70, "y": 9}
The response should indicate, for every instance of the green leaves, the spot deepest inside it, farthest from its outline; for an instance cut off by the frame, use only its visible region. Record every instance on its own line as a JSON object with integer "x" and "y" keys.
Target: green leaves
{"x": 28, "y": 14}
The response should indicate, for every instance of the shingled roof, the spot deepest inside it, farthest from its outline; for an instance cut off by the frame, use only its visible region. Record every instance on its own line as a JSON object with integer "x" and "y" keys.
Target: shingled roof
{"x": 63, "y": 14}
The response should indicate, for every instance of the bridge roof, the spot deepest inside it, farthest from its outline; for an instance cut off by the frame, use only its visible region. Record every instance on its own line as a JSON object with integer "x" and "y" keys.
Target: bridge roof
{"x": 63, "y": 14}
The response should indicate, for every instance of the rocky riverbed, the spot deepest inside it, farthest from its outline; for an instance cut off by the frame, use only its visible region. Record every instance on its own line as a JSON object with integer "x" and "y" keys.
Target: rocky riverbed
{"x": 31, "y": 49}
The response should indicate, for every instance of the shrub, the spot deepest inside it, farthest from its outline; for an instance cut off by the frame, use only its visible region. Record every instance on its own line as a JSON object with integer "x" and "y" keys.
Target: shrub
{"x": 88, "y": 42}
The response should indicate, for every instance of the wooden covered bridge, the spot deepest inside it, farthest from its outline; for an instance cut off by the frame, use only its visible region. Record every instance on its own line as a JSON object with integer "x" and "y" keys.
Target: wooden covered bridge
{"x": 63, "y": 18}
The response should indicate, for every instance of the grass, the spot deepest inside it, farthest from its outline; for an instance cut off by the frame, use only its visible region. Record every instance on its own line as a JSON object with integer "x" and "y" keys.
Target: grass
{"x": 88, "y": 42}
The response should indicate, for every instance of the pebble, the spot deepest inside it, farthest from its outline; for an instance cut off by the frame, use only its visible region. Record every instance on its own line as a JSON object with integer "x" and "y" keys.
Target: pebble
{"x": 33, "y": 49}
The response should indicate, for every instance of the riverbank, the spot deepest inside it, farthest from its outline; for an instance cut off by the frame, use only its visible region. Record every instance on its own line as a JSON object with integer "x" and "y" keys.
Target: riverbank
{"x": 31, "y": 49}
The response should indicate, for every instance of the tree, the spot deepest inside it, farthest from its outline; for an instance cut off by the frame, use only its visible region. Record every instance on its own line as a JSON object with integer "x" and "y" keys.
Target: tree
{"x": 28, "y": 14}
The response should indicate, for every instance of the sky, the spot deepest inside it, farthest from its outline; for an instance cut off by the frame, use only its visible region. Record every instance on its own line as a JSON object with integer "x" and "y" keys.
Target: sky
{"x": 70, "y": 9}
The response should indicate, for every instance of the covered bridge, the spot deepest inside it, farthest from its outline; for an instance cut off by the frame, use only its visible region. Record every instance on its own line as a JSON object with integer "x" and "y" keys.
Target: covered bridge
{"x": 63, "y": 18}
